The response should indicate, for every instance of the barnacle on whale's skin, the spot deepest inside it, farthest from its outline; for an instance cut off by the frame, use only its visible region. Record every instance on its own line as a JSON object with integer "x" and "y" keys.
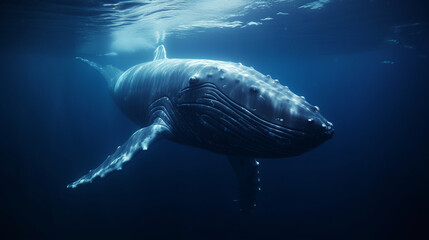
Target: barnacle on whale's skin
{"x": 223, "y": 107}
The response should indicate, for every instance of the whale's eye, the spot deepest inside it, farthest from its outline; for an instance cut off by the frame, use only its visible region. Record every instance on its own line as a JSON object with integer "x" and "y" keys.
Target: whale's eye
{"x": 253, "y": 89}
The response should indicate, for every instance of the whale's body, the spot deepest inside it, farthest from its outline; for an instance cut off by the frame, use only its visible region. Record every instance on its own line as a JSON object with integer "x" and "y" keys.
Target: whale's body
{"x": 220, "y": 106}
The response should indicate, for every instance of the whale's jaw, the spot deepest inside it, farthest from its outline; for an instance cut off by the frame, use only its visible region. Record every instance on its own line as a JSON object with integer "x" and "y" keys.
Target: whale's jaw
{"x": 218, "y": 123}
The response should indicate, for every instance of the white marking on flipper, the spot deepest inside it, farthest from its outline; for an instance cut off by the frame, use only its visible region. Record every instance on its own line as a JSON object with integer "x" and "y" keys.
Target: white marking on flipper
{"x": 140, "y": 140}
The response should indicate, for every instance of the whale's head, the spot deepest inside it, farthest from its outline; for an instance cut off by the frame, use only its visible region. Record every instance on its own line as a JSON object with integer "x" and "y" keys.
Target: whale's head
{"x": 253, "y": 114}
{"x": 293, "y": 114}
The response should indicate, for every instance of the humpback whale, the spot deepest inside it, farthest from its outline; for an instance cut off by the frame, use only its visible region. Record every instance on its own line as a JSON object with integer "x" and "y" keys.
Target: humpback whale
{"x": 220, "y": 106}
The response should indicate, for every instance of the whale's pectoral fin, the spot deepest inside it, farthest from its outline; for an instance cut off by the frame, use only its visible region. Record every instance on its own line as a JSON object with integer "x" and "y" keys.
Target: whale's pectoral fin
{"x": 139, "y": 141}
{"x": 246, "y": 170}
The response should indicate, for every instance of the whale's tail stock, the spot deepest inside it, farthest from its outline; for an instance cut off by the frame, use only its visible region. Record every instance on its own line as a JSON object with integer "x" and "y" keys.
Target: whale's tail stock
{"x": 110, "y": 73}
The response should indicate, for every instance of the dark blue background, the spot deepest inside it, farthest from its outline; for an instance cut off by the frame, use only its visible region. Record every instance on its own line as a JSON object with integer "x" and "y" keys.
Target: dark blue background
{"x": 368, "y": 182}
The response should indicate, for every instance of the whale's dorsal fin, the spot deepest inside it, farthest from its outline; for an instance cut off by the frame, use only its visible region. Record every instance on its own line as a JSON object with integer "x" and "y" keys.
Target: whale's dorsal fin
{"x": 160, "y": 53}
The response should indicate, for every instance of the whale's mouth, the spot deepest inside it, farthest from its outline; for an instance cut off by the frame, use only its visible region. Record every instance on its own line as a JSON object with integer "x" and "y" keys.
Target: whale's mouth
{"x": 225, "y": 123}
{"x": 328, "y": 134}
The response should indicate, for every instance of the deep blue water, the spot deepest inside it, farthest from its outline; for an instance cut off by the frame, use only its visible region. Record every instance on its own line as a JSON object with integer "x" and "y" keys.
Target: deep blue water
{"x": 365, "y": 63}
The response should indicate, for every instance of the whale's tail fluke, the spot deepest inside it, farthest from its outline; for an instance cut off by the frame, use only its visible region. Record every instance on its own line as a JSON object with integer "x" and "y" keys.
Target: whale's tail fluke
{"x": 110, "y": 73}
